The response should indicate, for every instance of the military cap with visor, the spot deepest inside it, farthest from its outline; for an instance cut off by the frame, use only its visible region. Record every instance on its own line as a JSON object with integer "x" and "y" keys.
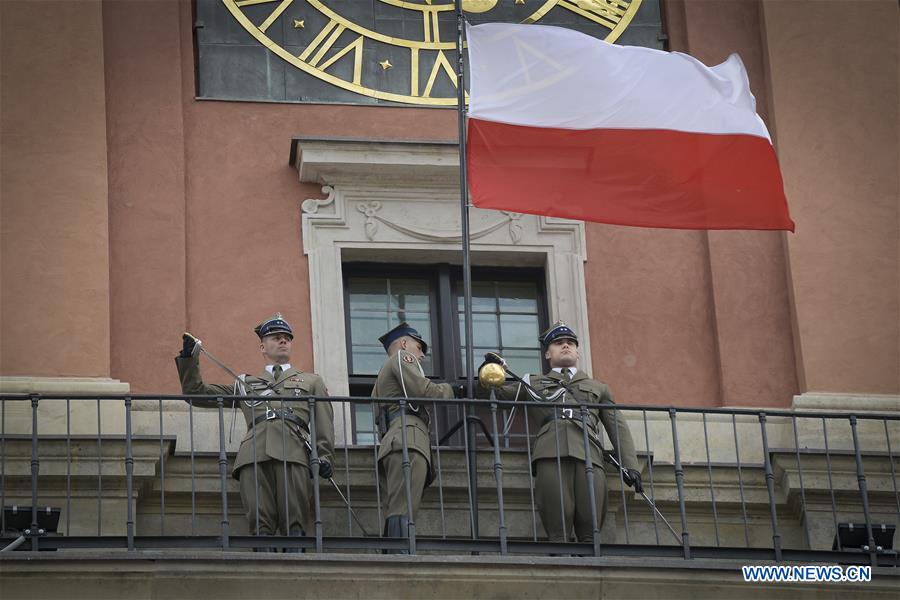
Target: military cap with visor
{"x": 273, "y": 325}
{"x": 558, "y": 331}
{"x": 401, "y": 330}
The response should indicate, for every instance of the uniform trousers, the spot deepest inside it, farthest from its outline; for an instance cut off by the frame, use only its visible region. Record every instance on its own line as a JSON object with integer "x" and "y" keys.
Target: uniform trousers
{"x": 395, "y": 482}
{"x": 283, "y": 502}
{"x": 560, "y": 510}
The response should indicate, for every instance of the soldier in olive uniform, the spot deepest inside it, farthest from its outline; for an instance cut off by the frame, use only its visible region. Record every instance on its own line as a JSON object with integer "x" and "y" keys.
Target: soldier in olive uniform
{"x": 561, "y": 486}
{"x": 277, "y": 439}
{"x": 402, "y": 377}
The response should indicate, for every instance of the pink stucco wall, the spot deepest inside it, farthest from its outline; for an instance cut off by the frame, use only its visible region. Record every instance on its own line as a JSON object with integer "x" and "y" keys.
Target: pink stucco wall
{"x": 159, "y": 213}
{"x": 834, "y": 93}
{"x": 54, "y": 284}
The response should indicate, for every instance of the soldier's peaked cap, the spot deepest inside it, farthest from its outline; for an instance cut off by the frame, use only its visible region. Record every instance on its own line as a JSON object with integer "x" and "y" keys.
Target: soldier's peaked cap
{"x": 272, "y": 325}
{"x": 398, "y": 332}
{"x": 558, "y": 331}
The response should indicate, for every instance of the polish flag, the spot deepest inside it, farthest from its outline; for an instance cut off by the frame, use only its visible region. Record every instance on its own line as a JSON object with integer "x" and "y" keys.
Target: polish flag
{"x": 564, "y": 124}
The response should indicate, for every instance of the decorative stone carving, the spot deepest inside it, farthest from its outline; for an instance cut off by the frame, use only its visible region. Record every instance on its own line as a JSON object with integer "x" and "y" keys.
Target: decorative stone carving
{"x": 515, "y": 227}
{"x": 311, "y": 206}
{"x": 404, "y": 226}
{"x": 369, "y": 209}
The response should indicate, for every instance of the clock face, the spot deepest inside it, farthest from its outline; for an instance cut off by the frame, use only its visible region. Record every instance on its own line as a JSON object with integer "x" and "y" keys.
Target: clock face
{"x": 402, "y": 50}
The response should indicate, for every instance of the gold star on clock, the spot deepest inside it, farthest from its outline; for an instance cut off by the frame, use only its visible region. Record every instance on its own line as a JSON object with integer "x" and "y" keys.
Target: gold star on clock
{"x": 385, "y": 64}
{"x": 520, "y": 1}
{"x": 299, "y": 24}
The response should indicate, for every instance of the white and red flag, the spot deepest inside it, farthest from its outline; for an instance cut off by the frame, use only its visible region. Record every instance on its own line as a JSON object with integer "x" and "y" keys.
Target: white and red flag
{"x": 567, "y": 125}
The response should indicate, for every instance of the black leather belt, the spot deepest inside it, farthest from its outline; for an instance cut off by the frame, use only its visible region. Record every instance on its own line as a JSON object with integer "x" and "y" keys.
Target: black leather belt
{"x": 271, "y": 415}
{"x": 568, "y": 414}
{"x": 395, "y": 414}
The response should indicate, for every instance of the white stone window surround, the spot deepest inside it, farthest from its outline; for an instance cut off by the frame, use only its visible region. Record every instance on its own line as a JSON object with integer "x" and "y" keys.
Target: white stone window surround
{"x": 398, "y": 202}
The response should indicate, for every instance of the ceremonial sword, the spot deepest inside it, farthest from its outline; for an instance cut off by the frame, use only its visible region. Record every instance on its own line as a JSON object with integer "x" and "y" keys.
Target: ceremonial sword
{"x": 497, "y": 359}
{"x": 198, "y": 347}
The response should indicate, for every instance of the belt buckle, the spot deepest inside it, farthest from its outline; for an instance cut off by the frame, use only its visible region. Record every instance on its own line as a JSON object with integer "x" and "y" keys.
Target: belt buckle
{"x": 270, "y": 414}
{"x": 568, "y": 413}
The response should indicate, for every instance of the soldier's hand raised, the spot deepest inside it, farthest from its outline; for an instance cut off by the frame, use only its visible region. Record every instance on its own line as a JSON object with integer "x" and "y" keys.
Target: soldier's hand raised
{"x": 188, "y": 345}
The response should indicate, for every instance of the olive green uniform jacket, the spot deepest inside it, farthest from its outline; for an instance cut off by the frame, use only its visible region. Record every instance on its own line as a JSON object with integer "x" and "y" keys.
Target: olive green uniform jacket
{"x": 274, "y": 439}
{"x": 567, "y": 433}
{"x": 402, "y": 377}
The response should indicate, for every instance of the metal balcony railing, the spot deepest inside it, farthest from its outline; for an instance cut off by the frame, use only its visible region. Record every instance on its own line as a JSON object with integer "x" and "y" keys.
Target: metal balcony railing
{"x": 142, "y": 471}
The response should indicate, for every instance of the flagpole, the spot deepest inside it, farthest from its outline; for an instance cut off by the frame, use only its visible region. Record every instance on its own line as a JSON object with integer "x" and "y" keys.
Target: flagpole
{"x": 467, "y": 267}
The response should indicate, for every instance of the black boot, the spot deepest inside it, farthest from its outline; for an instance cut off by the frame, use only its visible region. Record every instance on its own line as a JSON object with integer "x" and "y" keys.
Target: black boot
{"x": 296, "y": 533}
{"x": 396, "y": 526}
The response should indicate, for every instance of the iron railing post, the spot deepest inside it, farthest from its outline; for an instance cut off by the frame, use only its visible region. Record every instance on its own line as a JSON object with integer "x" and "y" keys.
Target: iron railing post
{"x": 498, "y": 476}
{"x": 193, "y": 471}
{"x": 737, "y": 458}
{"x": 3, "y": 463}
{"x": 68, "y": 468}
{"x": 887, "y": 437}
{"x": 831, "y": 484}
{"x": 440, "y": 476}
{"x": 284, "y": 474}
{"x": 407, "y": 478}
{"x": 679, "y": 482}
{"x": 162, "y": 475}
{"x": 35, "y": 470}
{"x": 129, "y": 476}
{"x": 621, "y": 472}
{"x": 530, "y": 476}
{"x": 770, "y": 486}
{"x": 99, "y": 471}
{"x": 471, "y": 473}
{"x": 589, "y": 476}
{"x": 223, "y": 470}
{"x": 315, "y": 465}
{"x": 804, "y": 515}
{"x": 650, "y": 471}
{"x": 375, "y": 443}
{"x": 712, "y": 489}
{"x": 863, "y": 492}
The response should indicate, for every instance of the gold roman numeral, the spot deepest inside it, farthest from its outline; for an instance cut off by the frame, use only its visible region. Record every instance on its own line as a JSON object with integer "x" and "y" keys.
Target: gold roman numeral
{"x": 272, "y": 16}
{"x": 440, "y": 63}
{"x": 605, "y": 12}
{"x": 430, "y": 23}
{"x": 432, "y": 34}
{"x": 322, "y": 44}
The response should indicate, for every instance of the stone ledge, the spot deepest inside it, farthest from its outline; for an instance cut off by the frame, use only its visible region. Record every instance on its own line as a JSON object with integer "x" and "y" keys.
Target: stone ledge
{"x": 847, "y": 402}
{"x": 151, "y": 574}
{"x": 334, "y": 161}
{"x": 62, "y": 385}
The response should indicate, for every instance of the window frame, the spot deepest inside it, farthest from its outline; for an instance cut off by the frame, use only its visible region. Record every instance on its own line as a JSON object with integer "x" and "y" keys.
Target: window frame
{"x": 390, "y": 271}
{"x": 500, "y": 274}
{"x": 445, "y": 322}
